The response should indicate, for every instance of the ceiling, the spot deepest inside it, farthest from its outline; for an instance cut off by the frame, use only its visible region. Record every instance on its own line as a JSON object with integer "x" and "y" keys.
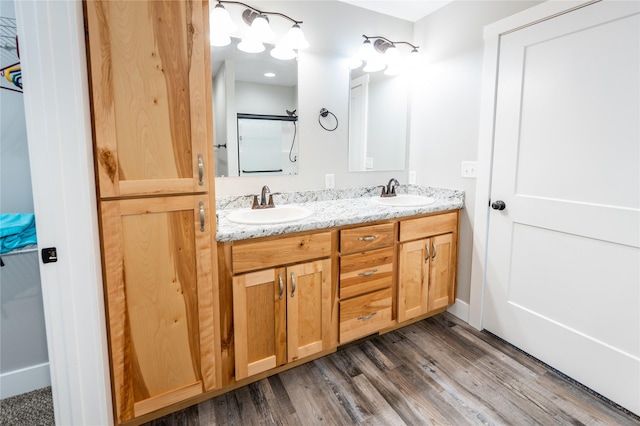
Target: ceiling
{"x": 409, "y": 10}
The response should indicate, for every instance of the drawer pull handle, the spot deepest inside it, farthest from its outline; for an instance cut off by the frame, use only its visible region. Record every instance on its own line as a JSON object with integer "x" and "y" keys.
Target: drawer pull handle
{"x": 201, "y": 216}
{"x": 281, "y": 286}
{"x": 435, "y": 253}
{"x": 200, "y": 169}
{"x": 367, "y": 273}
{"x": 366, "y": 317}
{"x": 293, "y": 284}
{"x": 369, "y": 238}
{"x": 426, "y": 259}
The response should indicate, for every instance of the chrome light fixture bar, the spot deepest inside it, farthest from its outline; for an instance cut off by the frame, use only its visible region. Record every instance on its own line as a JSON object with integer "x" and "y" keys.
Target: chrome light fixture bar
{"x": 382, "y": 53}
{"x": 258, "y": 33}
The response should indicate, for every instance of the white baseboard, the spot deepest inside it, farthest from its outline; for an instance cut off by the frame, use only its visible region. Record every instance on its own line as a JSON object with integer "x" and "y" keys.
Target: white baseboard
{"x": 24, "y": 380}
{"x": 460, "y": 309}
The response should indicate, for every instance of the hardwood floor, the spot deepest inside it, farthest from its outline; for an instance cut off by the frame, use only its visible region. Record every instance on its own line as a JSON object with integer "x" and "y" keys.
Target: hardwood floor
{"x": 438, "y": 371}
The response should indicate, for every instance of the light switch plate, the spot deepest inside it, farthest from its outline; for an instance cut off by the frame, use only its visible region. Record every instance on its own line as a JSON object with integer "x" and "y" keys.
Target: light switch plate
{"x": 329, "y": 181}
{"x": 469, "y": 169}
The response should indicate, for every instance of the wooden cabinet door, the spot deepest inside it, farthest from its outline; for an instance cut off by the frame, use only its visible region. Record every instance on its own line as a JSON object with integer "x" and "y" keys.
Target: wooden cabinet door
{"x": 159, "y": 284}
{"x": 259, "y": 321}
{"x": 426, "y": 280}
{"x": 308, "y": 308}
{"x": 413, "y": 275}
{"x": 149, "y": 80}
{"x": 442, "y": 272}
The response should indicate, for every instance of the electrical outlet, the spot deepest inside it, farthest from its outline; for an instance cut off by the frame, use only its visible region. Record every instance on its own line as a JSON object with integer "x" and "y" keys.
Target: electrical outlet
{"x": 469, "y": 169}
{"x": 412, "y": 177}
{"x": 329, "y": 181}
{"x": 369, "y": 163}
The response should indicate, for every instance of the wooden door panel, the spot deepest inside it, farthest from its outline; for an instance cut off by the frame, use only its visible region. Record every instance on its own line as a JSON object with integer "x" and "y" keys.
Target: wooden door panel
{"x": 159, "y": 296}
{"x": 308, "y": 308}
{"x": 441, "y": 272}
{"x": 412, "y": 282}
{"x": 259, "y": 322}
{"x": 147, "y": 67}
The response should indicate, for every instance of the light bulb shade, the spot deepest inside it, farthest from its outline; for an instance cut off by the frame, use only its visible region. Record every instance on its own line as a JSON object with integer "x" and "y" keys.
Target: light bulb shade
{"x": 261, "y": 30}
{"x": 394, "y": 70}
{"x": 250, "y": 45}
{"x": 413, "y": 58}
{"x": 283, "y": 53}
{"x": 221, "y": 21}
{"x": 391, "y": 55}
{"x": 366, "y": 51}
{"x": 295, "y": 38}
{"x": 354, "y": 63}
{"x": 220, "y": 39}
{"x": 373, "y": 66}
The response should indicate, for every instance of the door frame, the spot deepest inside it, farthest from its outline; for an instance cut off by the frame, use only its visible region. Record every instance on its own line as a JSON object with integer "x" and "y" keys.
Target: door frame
{"x": 492, "y": 35}
{"x": 59, "y": 138}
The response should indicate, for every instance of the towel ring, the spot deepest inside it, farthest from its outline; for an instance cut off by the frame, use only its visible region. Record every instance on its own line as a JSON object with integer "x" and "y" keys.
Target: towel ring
{"x": 323, "y": 113}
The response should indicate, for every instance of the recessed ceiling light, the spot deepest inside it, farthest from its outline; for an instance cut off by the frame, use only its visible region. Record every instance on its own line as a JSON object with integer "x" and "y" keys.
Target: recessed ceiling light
{"x": 269, "y": 74}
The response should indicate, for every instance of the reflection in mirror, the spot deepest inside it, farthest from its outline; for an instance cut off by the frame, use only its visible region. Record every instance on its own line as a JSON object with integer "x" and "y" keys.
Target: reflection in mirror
{"x": 241, "y": 89}
{"x": 378, "y": 125}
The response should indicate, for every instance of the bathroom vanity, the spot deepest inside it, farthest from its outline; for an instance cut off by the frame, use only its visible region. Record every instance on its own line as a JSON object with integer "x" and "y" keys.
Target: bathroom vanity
{"x": 293, "y": 291}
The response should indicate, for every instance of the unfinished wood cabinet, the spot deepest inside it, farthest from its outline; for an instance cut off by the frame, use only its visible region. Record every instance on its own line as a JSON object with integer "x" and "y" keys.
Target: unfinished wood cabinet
{"x": 160, "y": 298}
{"x": 427, "y": 265}
{"x": 280, "y": 315}
{"x": 149, "y": 65}
{"x": 150, "y": 86}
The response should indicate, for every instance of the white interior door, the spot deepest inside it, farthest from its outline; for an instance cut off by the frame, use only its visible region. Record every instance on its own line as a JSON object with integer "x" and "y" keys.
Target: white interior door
{"x": 563, "y": 265}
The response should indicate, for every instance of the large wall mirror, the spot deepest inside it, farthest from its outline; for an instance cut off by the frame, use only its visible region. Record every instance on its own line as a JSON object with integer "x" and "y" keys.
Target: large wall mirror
{"x": 255, "y": 99}
{"x": 378, "y": 123}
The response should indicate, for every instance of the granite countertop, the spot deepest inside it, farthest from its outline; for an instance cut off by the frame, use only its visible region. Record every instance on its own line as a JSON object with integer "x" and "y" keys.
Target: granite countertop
{"x": 331, "y": 208}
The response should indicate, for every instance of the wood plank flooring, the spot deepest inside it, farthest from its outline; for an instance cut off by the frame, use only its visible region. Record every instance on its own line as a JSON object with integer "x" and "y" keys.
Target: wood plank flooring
{"x": 439, "y": 371}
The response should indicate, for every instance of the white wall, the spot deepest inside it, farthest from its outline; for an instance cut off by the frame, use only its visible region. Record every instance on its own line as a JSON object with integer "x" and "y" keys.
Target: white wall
{"x": 15, "y": 175}
{"x": 445, "y": 106}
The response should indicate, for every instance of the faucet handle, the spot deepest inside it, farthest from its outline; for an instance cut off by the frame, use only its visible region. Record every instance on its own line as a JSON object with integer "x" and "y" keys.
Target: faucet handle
{"x": 254, "y": 205}
{"x": 384, "y": 190}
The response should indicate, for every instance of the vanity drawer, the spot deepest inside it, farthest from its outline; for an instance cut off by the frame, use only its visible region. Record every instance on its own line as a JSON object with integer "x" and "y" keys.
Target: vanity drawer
{"x": 364, "y": 315}
{"x": 414, "y": 229}
{"x": 366, "y": 237}
{"x": 366, "y": 272}
{"x": 282, "y": 251}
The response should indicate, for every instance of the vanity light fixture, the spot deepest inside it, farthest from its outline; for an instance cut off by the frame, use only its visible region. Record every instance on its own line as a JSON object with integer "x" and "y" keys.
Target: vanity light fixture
{"x": 379, "y": 53}
{"x": 258, "y": 33}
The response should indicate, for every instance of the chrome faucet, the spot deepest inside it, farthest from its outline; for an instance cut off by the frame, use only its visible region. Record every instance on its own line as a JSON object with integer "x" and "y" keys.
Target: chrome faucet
{"x": 263, "y": 204}
{"x": 390, "y": 189}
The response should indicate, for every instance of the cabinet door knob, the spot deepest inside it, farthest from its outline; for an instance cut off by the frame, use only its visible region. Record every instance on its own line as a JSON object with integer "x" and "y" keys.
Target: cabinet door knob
{"x": 200, "y": 169}
{"x": 498, "y": 205}
{"x": 201, "y": 216}
{"x": 367, "y": 273}
{"x": 366, "y": 317}
{"x": 293, "y": 284}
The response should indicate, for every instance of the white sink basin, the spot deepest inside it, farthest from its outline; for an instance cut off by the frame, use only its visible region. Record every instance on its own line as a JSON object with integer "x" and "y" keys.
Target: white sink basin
{"x": 404, "y": 200}
{"x": 277, "y": 214}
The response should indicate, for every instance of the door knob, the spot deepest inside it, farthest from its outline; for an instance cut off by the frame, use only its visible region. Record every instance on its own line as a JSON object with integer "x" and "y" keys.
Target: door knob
{"x": 498, "y": 205}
